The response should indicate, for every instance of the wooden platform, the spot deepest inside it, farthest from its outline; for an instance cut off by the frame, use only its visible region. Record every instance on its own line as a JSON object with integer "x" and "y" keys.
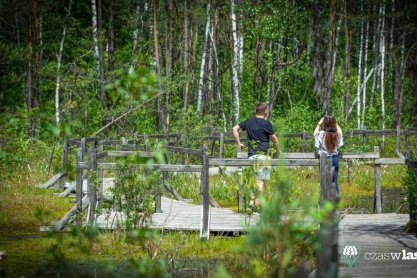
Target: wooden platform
{"x": 177, "y": 215}
{"x": 375, "y": 234}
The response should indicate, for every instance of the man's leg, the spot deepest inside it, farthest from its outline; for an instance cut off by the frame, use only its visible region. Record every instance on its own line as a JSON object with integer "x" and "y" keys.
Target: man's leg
{"x": 260, "y": 184}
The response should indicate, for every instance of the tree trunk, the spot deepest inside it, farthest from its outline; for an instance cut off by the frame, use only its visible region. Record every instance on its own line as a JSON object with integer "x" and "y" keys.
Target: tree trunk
{"x": 346, "y": 76}
{"x": 360, "y": 72}
{"x": 205, "y": 55}
{"x": 168, "y": 62}
{"x": 158, "y": 70}
{"x": 365, "y": 73}
{"x": 100, "y": 51}
{"x": 382, "y": 51}
{"x": 58, "y": 67}
{"x": 96, "y": 43}
{"x": 235, "y": 66}
{"x": 136, "y": 32}
{"x": 110, "y": 54}
{"x": 186, "y": 43}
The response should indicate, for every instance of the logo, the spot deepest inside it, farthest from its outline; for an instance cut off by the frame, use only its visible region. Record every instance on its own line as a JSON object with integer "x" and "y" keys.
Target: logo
{"x": 350, "y": 254}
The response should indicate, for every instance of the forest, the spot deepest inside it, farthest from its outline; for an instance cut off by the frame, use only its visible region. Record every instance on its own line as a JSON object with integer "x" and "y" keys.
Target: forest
{"x": 112, "y": 69}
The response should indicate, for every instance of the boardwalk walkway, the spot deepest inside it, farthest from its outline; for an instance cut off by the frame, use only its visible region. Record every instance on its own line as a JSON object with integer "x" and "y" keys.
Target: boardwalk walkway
{"x": 178, "y": 215}
{"x": 376, "y": 236}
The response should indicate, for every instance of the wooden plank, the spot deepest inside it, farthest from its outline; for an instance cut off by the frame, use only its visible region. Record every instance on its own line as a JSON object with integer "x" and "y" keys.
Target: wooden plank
{"x": 184, "y": 150}
{"x": 68, "y": 190}
{"x": 273, "y": 162}
{"x": 302, "y": 155}
{"x": 161, "y": 167}
{"x": 127, "y": 153}
{"x": 390, "y": 161}
{"x": 53, "y": 180}
{"x": 373, "y": 155}
{"x": 67, "y": 217}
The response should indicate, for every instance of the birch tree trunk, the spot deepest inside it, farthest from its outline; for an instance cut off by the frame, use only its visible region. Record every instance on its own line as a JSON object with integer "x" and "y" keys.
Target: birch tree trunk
{"x": 235, "y": 65}
{"x": 58, "y": 66}
{"x": 346, "y": 75}
{"x": 205, "y": 54}
{"x": 186, "y": 43}
{"x": 360, "y": 73}
{"x": 95, "y": 41}
{"x": 168, "y": 61}
{"x": 376, "y": 51}
{"x": 136, "y": 32}
{"x": 382, "y": 51}
{"x": 365, "y": 73}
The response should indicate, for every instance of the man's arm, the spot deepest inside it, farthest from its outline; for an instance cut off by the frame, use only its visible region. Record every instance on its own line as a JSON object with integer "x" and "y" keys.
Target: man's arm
{"x": 275, "y": 141}
{"x": 235, "y": 133}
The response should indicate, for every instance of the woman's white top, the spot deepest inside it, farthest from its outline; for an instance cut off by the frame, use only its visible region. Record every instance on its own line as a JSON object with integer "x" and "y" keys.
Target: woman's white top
{"x": 319, "y": 138}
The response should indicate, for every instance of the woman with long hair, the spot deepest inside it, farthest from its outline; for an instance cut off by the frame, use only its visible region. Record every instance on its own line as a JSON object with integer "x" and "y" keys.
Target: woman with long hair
{"x": 329, "y": 138}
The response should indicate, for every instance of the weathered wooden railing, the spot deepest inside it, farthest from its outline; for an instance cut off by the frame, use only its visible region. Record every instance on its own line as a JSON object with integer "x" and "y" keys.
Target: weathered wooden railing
{"x": 98, "y": 152}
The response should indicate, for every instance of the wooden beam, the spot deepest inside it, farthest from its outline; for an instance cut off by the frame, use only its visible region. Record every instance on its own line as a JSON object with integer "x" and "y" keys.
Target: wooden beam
{"x": 127, "y": 153}
{"x": 161, "y": 167}
{"x": 390, "y": 161}
{"x": 183, "y": 150}
{"x": 53, "y": 180}
{"x": 72, "y": 212}
{"x": 273, "y": 162}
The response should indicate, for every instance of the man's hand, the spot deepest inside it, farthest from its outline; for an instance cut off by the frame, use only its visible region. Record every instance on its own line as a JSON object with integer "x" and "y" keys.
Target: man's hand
{"x": 240, "y": 147}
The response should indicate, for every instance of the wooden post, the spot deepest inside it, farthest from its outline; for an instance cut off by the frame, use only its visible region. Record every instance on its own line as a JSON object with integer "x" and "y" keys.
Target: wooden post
{"x": 100, "y": 173}
{"x": 64, "y": 165}
{"x": 213, "y": 144}
{"x": 92, "y": 191}
{"x": 303, "y": 141}
{"x": 221, "y": 151}
{"x": 205, "y": 225}
{"x": 326, "y": 176}
{"x": 327, "y": 257}
{"x": 349, "y": 163}
{"x": 240, "y": 197}
{"x": 147, "y": 143}
{"x": 398, "y": 139}
{"x": 364, "y": 136}
{"x": 79, "y": 185}
{"x": 407, "y": 133}
{"x": 158, "y": 197}
{"x": 378, "y": 201}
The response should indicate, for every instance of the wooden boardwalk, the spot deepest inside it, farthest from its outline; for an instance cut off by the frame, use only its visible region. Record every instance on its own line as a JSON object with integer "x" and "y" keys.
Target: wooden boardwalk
{"x": 375, "y": 235}
{"x": 178, "y": 215}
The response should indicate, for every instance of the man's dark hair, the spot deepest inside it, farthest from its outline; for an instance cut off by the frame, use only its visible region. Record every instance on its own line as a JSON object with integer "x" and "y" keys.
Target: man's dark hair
{"x": 261, "y": 108}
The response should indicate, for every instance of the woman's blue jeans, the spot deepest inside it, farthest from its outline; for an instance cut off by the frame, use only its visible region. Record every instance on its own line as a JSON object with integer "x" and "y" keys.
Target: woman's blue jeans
{"x": 335, "y": 164}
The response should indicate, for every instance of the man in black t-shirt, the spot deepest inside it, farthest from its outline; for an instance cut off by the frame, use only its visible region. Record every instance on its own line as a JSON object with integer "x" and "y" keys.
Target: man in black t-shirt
{"x": 259, "y": 131}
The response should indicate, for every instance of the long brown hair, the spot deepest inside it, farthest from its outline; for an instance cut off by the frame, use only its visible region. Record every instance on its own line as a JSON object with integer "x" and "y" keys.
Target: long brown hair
{"x": 330, "y": 132}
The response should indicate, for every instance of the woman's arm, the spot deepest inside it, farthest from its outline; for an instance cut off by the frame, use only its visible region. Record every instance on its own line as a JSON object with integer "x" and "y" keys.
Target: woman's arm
{"x": 317, "y": 129}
